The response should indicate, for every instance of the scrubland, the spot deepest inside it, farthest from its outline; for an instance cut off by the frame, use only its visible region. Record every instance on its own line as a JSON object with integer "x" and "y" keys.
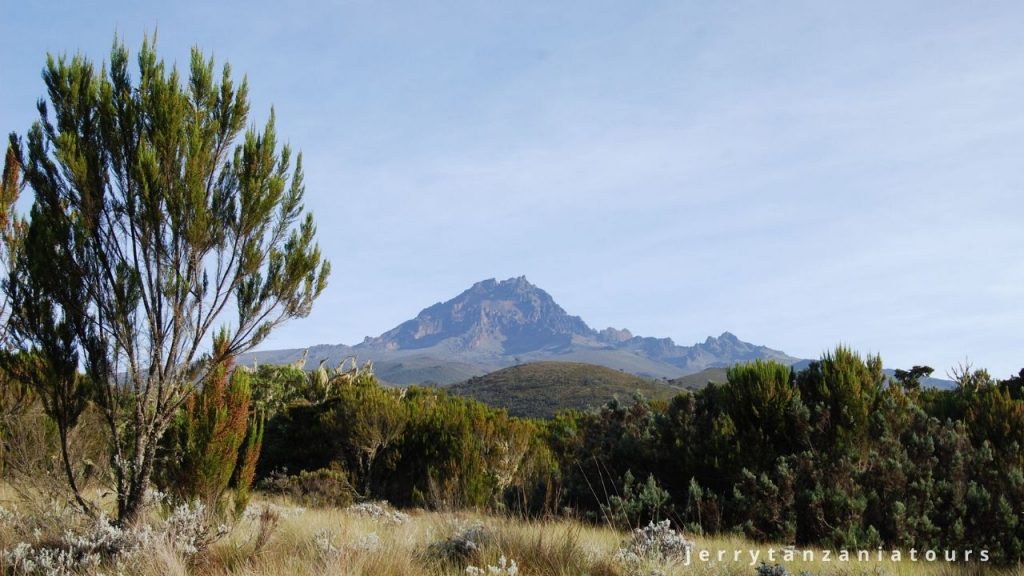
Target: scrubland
{"x": 274, "y": 536}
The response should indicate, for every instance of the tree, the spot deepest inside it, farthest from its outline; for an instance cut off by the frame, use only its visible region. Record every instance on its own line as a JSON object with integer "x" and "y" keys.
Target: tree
{"x": 760, "y": 398}
{"x": 15, "y": 394}
{"x": 148, "y": 224}
{"x": 275, "y": 387}
{"x": 376, "y": 421}
{"x": 841, "y": 390}
{"x": 12, "y": 227}
{"x": 911, "y": 379}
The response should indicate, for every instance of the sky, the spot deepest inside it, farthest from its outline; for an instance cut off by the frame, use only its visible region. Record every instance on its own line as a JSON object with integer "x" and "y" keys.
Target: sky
{"x": 802, "y": 174}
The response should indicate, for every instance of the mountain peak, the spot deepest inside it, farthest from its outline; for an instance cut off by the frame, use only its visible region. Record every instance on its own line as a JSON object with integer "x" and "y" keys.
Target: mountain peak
{"x": 724, "y": 338}
{"x": 509, "y": 286}
{"x": 487, "y": 284}
{"x": 491, "y": 317}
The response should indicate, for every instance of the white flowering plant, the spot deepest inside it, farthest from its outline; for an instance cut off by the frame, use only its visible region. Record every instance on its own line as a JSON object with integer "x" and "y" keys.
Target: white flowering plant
{"x": 379, "y": 511}
{"x": 85, "y": 546}
{"x": 505, "y": 567}
{"x": 655, "y": 543}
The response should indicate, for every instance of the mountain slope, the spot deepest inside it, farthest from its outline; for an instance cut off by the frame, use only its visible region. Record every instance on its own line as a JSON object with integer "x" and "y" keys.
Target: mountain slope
{"x": 541, "y": 389}
{"x": 700, "y": 379}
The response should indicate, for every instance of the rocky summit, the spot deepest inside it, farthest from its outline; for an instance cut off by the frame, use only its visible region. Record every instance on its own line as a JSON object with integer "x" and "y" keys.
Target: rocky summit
{"x": 491, "y": 317}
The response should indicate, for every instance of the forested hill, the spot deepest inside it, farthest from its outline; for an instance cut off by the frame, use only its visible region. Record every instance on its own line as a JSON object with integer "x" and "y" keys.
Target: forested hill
{"x": 541, "y": 389}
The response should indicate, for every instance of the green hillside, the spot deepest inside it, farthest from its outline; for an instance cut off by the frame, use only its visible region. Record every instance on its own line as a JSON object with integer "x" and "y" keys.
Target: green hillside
{"x": 541, "y": 389}
{"x": 700, "y": 379}
{"x": 424, "y": 370}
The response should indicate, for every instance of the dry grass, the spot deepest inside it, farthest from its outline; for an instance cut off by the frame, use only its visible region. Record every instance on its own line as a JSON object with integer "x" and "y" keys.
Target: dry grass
{"x": 541, "y": 548}
{"x": 289, "y": 540}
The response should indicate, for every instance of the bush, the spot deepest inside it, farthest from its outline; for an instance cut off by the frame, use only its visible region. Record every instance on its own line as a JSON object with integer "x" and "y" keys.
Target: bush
{"x": 639, "y": 503}
{"x": 462, "y": 546}
{"x": 85, "y": 547}
{"x": 654, "y": 543}
{"x": 215, "y": 439}
{"x": 764, "y": 569}
{"x": 381, "y": 512}
{"x": 319, "y": 488}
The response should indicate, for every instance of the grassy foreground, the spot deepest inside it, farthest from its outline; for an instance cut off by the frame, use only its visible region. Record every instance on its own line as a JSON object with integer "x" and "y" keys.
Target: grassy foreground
{"x": 275, "y": 538}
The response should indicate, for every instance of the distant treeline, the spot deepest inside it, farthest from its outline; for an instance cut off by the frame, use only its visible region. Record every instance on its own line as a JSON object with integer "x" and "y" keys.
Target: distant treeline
{"x": 837, "y": 455}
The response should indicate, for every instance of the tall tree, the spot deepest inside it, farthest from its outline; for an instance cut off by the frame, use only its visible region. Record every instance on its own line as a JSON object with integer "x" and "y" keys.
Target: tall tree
{"x": 12, "y": 226}
{"x": 15, "y": 393}
{"x": 149, "y": 224}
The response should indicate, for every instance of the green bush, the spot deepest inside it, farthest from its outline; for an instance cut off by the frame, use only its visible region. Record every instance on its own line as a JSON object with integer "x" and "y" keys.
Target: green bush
{"x": 638, "y": 504}
{"x": 317, "y": 488}
{"x": 215, "y": 439}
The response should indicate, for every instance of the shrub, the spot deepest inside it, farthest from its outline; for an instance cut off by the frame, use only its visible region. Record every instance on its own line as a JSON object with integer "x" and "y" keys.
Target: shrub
{"x": 654, "y": 543}
{"x": 100, "y": 542}
{"x": 214, "y": 435}
{"x": 378, "y": 511}
{"x": 319, "y": 488}
{"x": 764, "y": 569}
{"x": 463, "y": 545}
{"x": 639, "y": 503}
{"x": 505, "y": 567}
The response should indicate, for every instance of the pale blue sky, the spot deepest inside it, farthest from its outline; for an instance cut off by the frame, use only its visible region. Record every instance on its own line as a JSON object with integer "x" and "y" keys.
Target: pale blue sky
{"x": 798, "y": 173}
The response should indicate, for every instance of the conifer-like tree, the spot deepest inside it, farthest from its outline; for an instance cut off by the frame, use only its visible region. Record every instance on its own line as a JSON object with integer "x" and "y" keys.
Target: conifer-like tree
{"x": 12, "y": 226}
{"x": 150, "y": 230}
{"x": 15, "y": 394}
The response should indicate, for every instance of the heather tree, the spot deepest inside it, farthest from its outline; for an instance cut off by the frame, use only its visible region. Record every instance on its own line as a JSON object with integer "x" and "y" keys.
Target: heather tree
{"x": 15, "y": 393}
{"x": 151, "y": 229}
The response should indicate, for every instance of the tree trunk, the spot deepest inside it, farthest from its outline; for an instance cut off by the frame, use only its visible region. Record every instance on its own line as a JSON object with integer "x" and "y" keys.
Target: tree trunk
{"x": 134, "y": 501}
{"x": 69, "y": 472}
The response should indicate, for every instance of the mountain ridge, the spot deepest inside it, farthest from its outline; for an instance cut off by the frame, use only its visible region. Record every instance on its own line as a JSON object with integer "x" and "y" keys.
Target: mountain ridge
{"x": 496, "y": 324}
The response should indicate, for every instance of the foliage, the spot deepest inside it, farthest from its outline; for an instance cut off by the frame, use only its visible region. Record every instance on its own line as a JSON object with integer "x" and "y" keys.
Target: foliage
{"x": 87, "y": 548}
{"x": 462, "y": 545}
{"x": 276, "y": 387}
{"x": 51, "y": 371}
{"x": 214, "y": 435}
{"x": 911, "y": 379}
{"x": 595, "y": 450}
{"x": 765, "y": 569}
{"x": 414, "y": 447}
{"x": 245, "y": 466}
{"x": 323, "y": 487}
{"x": 505, "y": 567}
{"x": 15, "y": 389}
{"x": 760, "y": 401}
{"x": 840, "y": 391}
{"x": 833, "y": 456}
{"x": 539, "y": 389}
{"x": 148, "y": 223}
{"x": 656, "y": 542}
{"x": 638, "y": 503}
{"x": 380, "y": 512}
